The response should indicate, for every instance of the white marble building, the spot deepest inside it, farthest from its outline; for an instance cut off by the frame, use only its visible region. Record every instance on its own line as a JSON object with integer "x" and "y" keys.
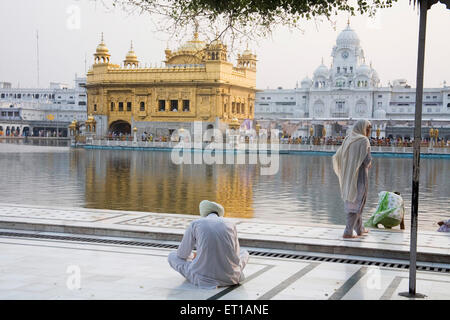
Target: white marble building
{"x": 34, "y": 109}
{"x": 350, "y": 89}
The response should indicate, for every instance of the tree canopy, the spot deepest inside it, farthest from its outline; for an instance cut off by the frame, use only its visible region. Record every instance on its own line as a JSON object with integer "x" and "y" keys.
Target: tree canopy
{"x": 247, "y": 18}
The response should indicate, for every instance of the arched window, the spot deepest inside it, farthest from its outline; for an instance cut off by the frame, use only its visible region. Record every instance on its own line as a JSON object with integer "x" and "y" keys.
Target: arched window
{"x": 112, "y": 106}
{"x": 142, "y": 106}
{"x": 361, "y": 107}
{"x": 319, "y": 107}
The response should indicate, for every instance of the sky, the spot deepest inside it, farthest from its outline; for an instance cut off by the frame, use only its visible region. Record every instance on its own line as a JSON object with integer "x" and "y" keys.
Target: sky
{"x": 69, "y": 32}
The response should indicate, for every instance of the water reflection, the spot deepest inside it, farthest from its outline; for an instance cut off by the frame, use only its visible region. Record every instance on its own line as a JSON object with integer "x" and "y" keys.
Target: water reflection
{"x": 305, "y": 189}
{"x": 37, "y": 141}
{"x": 149, "y": 181}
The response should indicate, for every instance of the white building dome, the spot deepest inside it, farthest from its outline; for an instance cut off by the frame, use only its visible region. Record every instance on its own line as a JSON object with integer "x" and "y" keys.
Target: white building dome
{"x": 375, "y": 75}
{"x": 363, "y": 69}
{"x": 379, "y": 114}
{"x": 347, "y": 37}
{"x": 306, "y": 83}
{"x": 322, "y": 70}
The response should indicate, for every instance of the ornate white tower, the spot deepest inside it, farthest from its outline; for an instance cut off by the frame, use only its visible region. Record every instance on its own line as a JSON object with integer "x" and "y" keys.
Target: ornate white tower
{"x": 347, "y": 57}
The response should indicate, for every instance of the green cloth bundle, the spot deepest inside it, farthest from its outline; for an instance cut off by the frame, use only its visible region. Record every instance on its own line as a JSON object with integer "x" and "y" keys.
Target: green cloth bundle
{"x": 390, "y": 211}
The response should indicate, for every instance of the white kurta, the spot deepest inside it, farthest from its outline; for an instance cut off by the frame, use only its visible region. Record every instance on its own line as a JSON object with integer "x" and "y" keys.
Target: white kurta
{"x": 219, "y": 260}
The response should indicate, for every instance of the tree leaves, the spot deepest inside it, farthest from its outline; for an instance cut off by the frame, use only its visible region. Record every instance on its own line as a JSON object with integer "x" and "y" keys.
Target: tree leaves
{"x": 249, "y": 18}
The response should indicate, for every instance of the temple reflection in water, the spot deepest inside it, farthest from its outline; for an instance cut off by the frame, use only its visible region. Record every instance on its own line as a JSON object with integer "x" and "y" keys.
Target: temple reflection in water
{"x": 149, "y": 181}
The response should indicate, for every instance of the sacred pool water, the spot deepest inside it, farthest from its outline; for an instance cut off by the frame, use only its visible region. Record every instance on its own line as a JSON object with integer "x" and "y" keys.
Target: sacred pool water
{"x": 304, "y": 190}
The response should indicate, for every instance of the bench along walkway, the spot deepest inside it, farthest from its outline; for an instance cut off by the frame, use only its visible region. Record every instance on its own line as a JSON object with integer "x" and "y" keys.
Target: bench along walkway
{"x": 433, "y": 247}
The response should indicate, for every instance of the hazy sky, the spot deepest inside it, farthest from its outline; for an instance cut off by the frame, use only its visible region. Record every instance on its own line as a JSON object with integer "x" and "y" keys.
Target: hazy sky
{"x": 389, "y": 41}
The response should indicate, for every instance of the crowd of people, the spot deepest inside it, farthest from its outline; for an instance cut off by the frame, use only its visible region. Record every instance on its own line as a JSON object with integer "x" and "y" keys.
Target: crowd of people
{"x": 145, "y": 136}
{"x": 382, "y": 142}
{"x": 25, "y": 133}
{"x": 287, "y": 139}
{"x": 10, "y": 133}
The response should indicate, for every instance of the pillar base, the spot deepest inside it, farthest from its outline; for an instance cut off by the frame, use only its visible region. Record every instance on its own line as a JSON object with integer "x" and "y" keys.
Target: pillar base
{"x": 411, "y": 295}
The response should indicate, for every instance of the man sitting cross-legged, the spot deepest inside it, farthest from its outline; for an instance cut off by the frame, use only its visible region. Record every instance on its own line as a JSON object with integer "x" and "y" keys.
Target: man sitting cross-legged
{"x": 219, "y": 261}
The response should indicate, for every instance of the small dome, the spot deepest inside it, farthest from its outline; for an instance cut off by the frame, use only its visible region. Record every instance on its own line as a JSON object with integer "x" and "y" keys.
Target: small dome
{"x": 347, "y": 37}
{"x": 101, "y": 48}
{"x": 247, "y": 52}
{"x": 306, "y": 82}
{"x": 322, "y": 70}
{"x": 193, "y": 45}
{"x": 379, "y": 114}
{"x": 363, "y": 69}
{"x": 375, "y": 75}
{"x": 131, "y": 56}
{"x": 216, "y": 44}
{"x": 234, "y": 124}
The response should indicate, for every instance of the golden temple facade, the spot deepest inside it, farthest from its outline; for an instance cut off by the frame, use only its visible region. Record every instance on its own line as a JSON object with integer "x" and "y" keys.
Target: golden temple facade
{"x": 197, "y": 83}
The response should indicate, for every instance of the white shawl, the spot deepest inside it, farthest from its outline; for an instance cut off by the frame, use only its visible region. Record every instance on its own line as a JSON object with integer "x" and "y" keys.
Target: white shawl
{"x": 348, "y": 159}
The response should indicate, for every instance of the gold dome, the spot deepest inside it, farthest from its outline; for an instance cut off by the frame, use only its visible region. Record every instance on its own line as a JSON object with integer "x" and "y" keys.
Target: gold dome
{"x": 216, "y": 44}
{"x": 102, "y": 55}
{"x": 235, "y": 124}
{"x": 73, "y": 125}
{"x": 193, "y": 45}
{"x": 101, "y": 48}
{"x": 247, "y": 52}
{"x": 131, "y": 56}
{"x": 91, "y": 119}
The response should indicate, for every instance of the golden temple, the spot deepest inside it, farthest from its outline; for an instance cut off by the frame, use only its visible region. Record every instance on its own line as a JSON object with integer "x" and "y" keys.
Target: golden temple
{"x": 197, "y": 83}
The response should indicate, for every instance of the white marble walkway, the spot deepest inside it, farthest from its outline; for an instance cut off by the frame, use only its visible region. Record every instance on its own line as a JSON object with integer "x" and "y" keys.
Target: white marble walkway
{"x": 58, "y": 269}
{"x": 251, "y": 231}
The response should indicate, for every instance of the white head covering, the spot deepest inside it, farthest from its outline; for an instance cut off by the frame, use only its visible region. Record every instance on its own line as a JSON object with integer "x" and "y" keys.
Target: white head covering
{"x": 348, "y": 159}
{"x": 207, "y": 207}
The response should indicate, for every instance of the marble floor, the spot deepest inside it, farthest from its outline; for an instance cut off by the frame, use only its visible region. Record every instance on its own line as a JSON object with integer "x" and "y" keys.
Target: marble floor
{"x": 61, "y": 269}
{"x": 54, "y": 218}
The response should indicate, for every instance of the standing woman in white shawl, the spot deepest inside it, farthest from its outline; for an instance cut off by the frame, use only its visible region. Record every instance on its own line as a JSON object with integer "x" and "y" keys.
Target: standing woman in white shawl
{"x": 351, "y": 164}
